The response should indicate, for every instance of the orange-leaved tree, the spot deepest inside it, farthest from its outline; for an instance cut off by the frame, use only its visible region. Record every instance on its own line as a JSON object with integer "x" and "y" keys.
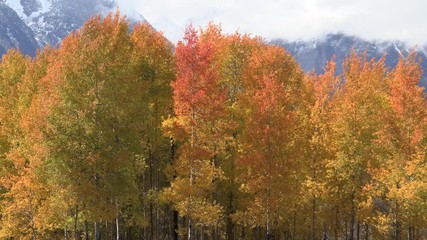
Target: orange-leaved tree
{"x": 401, "y": 175}
{"x": 198, "y": 105}
{"x": 267, "y": 159}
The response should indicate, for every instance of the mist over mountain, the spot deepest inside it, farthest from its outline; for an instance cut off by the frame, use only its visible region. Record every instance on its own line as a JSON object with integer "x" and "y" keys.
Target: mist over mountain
{"x": 313, "y": 54}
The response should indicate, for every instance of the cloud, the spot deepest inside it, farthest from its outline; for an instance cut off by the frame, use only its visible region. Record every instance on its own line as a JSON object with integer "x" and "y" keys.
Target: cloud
{"x": 291, "y": 19}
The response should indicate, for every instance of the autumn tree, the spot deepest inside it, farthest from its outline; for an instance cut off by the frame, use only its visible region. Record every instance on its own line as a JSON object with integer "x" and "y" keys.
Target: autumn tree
{"x": 234, "y": 53}
{"x": 17, "y": 176}
{"x": 117, "y": 133}
{"x": 153, "y": 61}
{"x": 323, "y": 89}
{"x": 24, "y": 200}
{"x": 198, "y": 104}
{"x": 400, "y": 176}
{"x": 267, "y": 159}
{"x": 360, "y": 103}
{"x": 93, "y": 132}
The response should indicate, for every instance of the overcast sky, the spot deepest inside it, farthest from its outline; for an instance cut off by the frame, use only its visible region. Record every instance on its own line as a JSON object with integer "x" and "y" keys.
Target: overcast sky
{"x": 291, "y": 19}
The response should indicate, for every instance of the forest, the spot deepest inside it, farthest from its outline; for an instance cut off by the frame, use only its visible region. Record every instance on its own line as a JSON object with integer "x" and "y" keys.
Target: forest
{"x": 119, "y": 134}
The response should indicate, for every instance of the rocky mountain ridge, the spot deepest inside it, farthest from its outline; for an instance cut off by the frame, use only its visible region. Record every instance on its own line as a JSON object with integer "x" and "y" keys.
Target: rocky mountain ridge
{"x": 31, "y": 24}
{"x": 14, "y": 33}
{"x": 313, "y": 54}
{"x": 43, "y": 22}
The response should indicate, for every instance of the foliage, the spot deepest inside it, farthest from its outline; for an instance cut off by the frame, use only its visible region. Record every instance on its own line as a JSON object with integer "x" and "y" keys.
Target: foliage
{"x": 121, "y": 134}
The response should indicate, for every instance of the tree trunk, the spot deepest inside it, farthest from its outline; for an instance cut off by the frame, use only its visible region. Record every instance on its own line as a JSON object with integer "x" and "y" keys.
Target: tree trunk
{"x": 353, "y": 217}
{"x": 416, "y": 233}
{"x": 358, "y": 231}
{"x": 337, "y": 223}
{"x": 230, "y": 208}
{"x": 230, "y": 225}
{"x": 243, "y": 233}
{"x": 313, "y": 219}
{"x": 129, "y": 233}
{"x": 151, "y": 177}
{"x": 213, "y": 233}
{"x": 268, "y": 235}
{"x": 366, "y": 231}
{"x": 117, "y": 228}
{"x": 410, "y": 233}
{"x": 345, "y": 230}
{"x": 86, "y": 231}
{"x": 325, "y": 235}
{"x": 97, "y": 232}
{"x": 294, "y": 226}
{"x": 33, "y": 229}
{"x": 151, "y": 217}
{"x": 189, "y": 234}
{"x": 175, "y": 225}
{"x": 396, "y": 223}
{"x": 65, "y": 233}
{"x": 267, "y": 232}
{"x": 113, "y": 231}
{"x": 175, "y": 213}
{"x": 230, "y": 228}
{"x": 76, "y": 216}
{"x": 202, "y": 233}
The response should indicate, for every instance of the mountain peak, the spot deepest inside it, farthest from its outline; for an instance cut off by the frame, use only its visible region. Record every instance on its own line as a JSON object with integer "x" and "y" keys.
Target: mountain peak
{"x": 51, "y": 20}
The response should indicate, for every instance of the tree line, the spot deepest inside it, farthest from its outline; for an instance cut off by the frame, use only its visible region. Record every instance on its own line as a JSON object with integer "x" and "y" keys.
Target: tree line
{"x": 118, "y": 134}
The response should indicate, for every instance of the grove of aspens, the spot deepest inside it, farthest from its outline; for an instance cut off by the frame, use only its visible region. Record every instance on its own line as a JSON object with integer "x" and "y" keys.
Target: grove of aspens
{"x": 119, "y": 134}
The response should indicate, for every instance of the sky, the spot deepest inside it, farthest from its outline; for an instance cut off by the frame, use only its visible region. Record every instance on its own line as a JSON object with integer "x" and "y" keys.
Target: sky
{"x": 403, "y": 20}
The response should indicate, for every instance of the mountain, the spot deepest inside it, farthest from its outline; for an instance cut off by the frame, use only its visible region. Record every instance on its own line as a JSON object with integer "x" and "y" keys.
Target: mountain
{"x": 14, "y": 33}
{"x": 313, "y": 54}
{"x": 29, "y": 24}
{"x": 49, "y": 21}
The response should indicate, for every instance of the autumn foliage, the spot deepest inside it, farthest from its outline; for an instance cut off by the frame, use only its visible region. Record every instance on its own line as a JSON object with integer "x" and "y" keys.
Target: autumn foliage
{"x": 117, "y": 133}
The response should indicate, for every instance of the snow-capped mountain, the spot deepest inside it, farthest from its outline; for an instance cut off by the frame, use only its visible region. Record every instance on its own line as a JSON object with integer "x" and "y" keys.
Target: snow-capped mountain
{"x": 29, "y": 24}
{"x": 49, "y": 21}
{"x": 313, "y": 54}
{"x": 14, "y": 33}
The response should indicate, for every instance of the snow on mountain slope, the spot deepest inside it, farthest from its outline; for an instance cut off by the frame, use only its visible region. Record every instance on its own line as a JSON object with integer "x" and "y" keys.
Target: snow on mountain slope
{"x": 16, "y": 5}
{"x": 26, "y": 24}
{"x": 313, "y": 54}
{"x": 45, "y": 5}
{"x": 52, "y": 20}
{"x": 14, "y": 33}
